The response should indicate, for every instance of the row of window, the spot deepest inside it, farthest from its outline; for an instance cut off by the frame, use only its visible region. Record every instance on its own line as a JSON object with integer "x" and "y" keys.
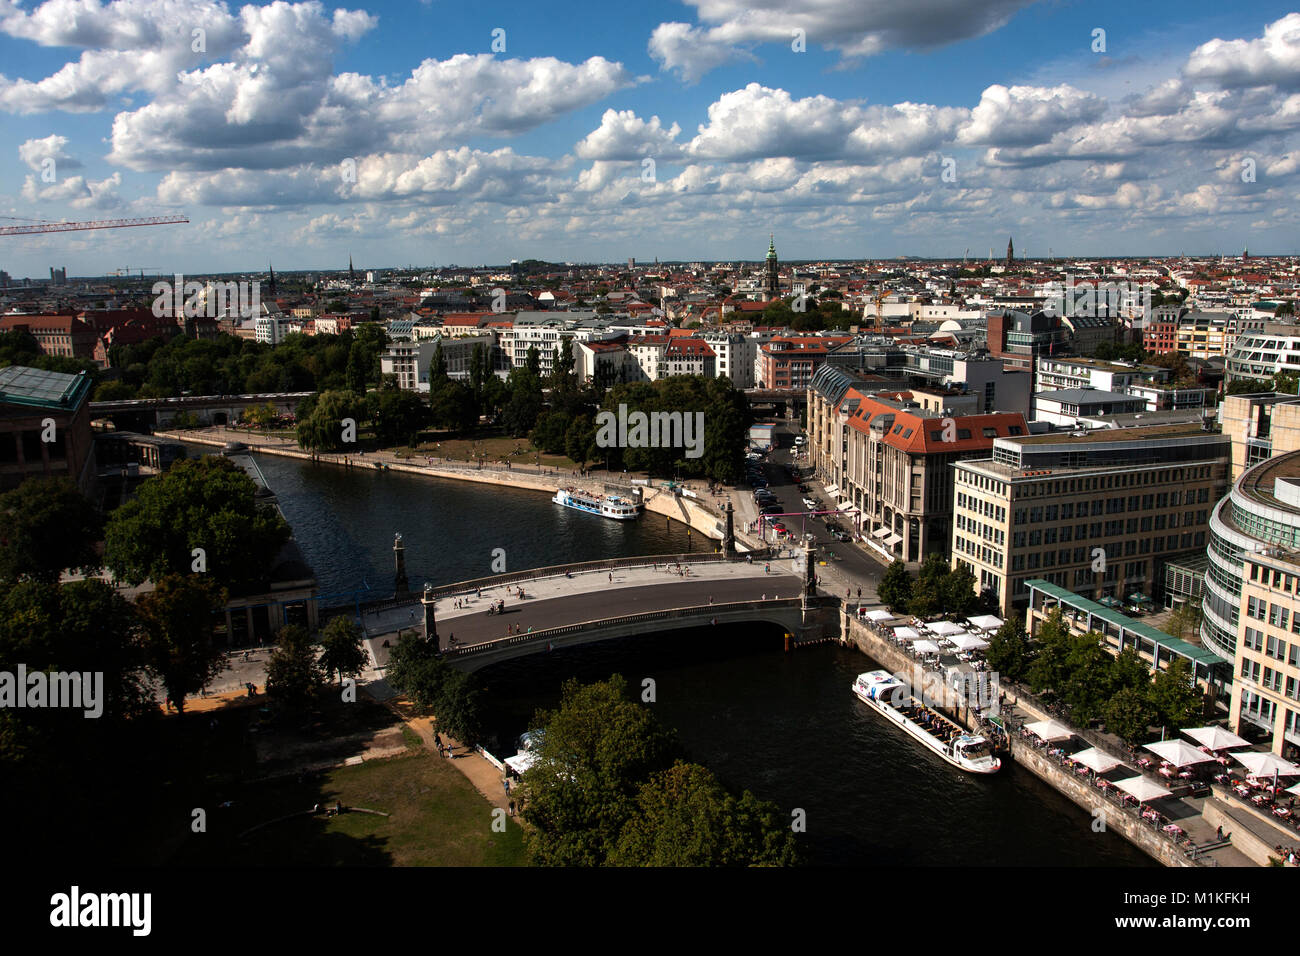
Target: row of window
{"x": 1274, "y": 578}
{"x": 1274, "y": 647}
{"x": 1269, "y": 678}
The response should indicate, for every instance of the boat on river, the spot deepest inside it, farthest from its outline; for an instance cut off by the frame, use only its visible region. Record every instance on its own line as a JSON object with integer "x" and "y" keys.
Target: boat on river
{"x": 607, "y": 506}
{"x": 892, "y": 698}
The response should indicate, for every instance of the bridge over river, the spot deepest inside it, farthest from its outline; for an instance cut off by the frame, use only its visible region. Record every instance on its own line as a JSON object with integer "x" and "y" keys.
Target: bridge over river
{"x": 579, "y": 604}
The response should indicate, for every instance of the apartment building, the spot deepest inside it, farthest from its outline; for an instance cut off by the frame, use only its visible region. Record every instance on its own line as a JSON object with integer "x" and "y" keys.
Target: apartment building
{"x": 412, "y": 361}
{"x": 1019, "y": 338}
{"x": 1261, "y": 355}
{"x": 790, "y": 362}
{"x": 1095, "y": 514}
{"x": 735, "y": 355}
{"x": 1065, "y": 407}
{"x": 1250, "y": 605}
{"x": 888, "y": 461}
{"x": 689, "y": 356}
{"x": 1260, "y": 426}
{"x": 55, "y": 334}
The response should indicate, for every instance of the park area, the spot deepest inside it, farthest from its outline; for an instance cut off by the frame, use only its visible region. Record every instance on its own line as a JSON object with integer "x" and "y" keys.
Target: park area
{"x": 435, "y": 817}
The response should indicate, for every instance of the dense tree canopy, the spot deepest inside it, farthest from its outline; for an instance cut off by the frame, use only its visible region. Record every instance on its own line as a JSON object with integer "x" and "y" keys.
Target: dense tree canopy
{"x": 205, "y": 503}
{"x": 46, "y": 527}
{"x": 608, "y": 789}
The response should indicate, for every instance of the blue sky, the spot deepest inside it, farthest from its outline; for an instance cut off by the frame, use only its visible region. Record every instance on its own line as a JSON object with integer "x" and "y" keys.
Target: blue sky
{"x": 302, "y": 132}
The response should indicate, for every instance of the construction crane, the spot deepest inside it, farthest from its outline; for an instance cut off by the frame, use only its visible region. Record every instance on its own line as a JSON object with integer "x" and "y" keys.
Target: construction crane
{"x": 42, "y": 225}
{"x": 126, "y": 271}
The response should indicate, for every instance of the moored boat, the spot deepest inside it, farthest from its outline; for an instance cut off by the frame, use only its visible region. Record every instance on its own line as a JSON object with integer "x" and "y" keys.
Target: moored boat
{"x": 891, "y": 697}
{"x": 607, "y": 506}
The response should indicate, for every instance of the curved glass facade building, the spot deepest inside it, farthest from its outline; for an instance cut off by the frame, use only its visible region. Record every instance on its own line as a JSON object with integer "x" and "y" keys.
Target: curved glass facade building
{"x": 1261, "y": 514}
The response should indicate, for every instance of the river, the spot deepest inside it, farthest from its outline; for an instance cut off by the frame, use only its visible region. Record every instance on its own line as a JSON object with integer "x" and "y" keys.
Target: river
{"x": 784, "y": 725}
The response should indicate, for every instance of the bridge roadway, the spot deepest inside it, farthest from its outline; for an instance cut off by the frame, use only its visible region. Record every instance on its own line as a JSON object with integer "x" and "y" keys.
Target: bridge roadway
{"x": 590, "y": 596}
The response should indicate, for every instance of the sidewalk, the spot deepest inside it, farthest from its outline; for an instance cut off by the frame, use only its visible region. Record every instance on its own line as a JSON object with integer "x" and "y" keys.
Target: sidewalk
{"x": 392, "y": 620}
{"x": 486, "y": 778}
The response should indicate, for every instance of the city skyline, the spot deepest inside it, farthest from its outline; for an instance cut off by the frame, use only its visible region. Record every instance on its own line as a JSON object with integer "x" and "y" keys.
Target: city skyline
{"x": 300, "y": 133}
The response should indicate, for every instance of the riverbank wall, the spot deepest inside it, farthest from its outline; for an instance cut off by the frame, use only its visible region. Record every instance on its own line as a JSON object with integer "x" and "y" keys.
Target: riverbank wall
{"x": 957, "y": 706}
{"x": 695, "y": 513}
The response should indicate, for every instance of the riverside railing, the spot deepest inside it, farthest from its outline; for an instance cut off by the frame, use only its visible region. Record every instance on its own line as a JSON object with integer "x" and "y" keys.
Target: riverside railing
{"x": 1112, "y": 795}
{"x": 674, "y": 614}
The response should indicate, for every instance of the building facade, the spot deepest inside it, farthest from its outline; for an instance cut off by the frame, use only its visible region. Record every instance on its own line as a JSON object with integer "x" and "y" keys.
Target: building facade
{"x": 1095, "y": 514}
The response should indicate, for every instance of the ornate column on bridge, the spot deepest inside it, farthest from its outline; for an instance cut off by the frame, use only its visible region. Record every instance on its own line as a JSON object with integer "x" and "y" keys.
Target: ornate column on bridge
{"x": 729, "y": 542}
{"x": 429, "y": 606}
{"x": 809, "y": 575}
{"x": 400, "y": 586}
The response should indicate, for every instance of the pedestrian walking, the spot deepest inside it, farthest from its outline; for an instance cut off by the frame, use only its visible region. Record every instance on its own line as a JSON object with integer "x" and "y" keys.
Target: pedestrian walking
{"x": 437, "y": 739}
{"x": 512, "y": 808}
{"x": 507, "y": 784}
{"x": 859, "y": 594}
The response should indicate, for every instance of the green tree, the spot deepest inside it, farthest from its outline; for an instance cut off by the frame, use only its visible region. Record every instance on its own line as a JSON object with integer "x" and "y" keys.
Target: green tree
{"x": 684, "y": 817}
{"x": 1177, "y": 701}
{"x": 1088, "y": 685}
{"x": 176, "y": 628}
{"x": 896, "y": 586}
{"x": 598, "y": 748}
{"x": 1009, "y": 651}
{"x": 397, "y": 416}
{"x": 293, "y": 675}
{"x": 343, "y": 648}
{"x": 1129, "y": 714}
{"x": 322, "y": 429}
{"x": 958, "y": 594}
{"x": 451, "y": 406}
{"x": 114, "y": 391}
{"x": 46, "y": 527}
{"x": 580, "y": 441}
{"x": 1049, "y": 671}
{"x": 203, "y": 503}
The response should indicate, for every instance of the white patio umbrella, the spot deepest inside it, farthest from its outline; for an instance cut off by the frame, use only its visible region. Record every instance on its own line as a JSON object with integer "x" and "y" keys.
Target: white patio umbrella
{"x": 986, "y": 622}
{"x": 945, "y": 628}
{"x": 1096, "y": 760}
{"x": 926, "y": 647}
{"x": 1049, "y": 730}
{"x": 1142, "y": 788}
{"x": 905, "y": 634}
{"x": 1216, "y": 738}
{"x": 1178, "y": 752}
{"x": 968, "y": 642}
{"x": 1265, "y": 765}
{"x": 879, "y": 615}
{"x": 1295, "y": 789}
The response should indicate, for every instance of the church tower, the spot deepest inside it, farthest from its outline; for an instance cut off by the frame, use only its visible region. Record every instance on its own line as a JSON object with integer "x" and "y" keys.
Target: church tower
{"x": 270, "y": 282}
{"x": 771, "y": 281}
{"x": 352, "y": 276}
{"x": 1011, "y": 251}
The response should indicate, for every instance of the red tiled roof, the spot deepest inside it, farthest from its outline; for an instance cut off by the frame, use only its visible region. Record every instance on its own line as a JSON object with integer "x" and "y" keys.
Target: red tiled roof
{"x": 926, "y": 433}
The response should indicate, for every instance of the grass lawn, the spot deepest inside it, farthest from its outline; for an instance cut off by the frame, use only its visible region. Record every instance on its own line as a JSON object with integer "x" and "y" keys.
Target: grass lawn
{"x": 436, "y": 818}
{"x": 491, "y": 446}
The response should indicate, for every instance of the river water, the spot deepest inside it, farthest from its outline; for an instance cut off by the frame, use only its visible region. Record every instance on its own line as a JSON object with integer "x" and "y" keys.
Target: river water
{"x": 784, "y": 725}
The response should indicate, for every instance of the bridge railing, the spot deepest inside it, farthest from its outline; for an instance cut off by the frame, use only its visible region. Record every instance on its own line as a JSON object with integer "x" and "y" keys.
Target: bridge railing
{"x": 648, "y": 616}
{"x": 581, "y": 567}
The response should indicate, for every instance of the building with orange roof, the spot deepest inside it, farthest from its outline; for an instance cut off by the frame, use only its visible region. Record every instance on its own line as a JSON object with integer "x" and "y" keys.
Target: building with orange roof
{"x": 792, "y": 361}
{"x": 887, "y": 460}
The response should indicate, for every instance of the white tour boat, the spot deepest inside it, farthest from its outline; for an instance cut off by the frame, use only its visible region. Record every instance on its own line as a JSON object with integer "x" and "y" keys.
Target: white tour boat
{"x": 885, "y": 693}
{"x": 608, "y": 506}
